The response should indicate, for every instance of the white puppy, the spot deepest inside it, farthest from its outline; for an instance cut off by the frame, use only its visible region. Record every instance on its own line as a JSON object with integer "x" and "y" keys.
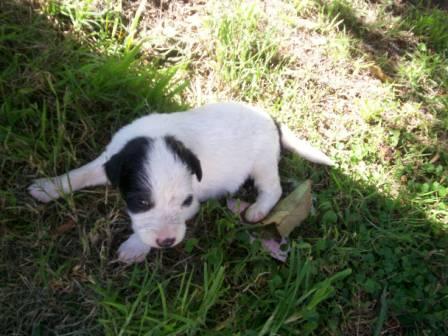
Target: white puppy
{"x": 166, "y": 164}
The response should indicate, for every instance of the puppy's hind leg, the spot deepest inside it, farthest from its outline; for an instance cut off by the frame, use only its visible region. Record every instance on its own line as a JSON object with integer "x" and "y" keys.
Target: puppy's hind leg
{"x": 91, "y": 174}
{"x": 267, "y": 181}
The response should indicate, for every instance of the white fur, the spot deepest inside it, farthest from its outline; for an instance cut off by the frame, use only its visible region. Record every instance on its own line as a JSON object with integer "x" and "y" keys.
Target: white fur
{"x": 232, "y": 141}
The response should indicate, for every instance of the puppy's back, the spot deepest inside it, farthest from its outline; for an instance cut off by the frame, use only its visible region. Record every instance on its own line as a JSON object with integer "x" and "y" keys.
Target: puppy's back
{"x": 224, "y": 126}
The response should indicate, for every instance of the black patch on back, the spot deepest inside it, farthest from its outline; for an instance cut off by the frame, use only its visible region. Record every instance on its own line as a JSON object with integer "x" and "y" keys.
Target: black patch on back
{"x": 125, "y": 169}
{"x": 247, "y": 191}
{"x": 185, "y": 155}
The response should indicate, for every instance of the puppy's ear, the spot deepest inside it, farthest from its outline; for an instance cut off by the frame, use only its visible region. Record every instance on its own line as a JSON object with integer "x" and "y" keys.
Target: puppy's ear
{"x": 185, "y": 155}
{"x": 133, "y": 153}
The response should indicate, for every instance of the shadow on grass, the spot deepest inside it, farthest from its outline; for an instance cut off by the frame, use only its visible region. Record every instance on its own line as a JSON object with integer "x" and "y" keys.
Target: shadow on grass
{"x": 386, "y": 46}
{"x": 61, "y": 101}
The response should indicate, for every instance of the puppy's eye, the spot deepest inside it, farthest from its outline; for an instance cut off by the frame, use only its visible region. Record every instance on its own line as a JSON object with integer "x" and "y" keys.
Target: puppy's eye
{"x": 144, "y": 203}
{"x": 188, "y": 201}
{"x": 140, "y": 205}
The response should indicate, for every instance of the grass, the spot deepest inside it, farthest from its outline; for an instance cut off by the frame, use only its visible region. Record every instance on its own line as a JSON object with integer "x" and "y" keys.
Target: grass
{"x": 366, "y": 81}
{"x": 247, "y": 57}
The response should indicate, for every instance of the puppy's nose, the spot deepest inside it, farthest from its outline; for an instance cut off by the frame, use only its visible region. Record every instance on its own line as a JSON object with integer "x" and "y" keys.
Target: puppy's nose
{"x": 167, "y": 242}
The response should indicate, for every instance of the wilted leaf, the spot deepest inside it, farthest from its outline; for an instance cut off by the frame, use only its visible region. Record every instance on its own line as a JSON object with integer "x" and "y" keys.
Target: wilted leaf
{"x": 285, "y": 217}
{"x": 292, "y": 210}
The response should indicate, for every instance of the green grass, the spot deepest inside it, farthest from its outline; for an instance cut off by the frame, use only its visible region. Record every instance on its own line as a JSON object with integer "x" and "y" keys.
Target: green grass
{"x": 371, "y": 259}
{"x": 247, "y": 56}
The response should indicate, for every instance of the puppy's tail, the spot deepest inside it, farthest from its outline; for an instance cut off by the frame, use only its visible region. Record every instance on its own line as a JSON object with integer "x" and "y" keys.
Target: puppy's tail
{"x": 291, "y": 142}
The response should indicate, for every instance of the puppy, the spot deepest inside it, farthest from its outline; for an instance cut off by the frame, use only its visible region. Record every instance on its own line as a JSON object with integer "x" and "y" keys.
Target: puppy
{"x": 166, "y": 164}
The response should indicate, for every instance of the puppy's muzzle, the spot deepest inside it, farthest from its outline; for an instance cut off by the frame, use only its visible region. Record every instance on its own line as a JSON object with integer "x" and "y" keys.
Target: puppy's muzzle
{"x": 167, "y": 242}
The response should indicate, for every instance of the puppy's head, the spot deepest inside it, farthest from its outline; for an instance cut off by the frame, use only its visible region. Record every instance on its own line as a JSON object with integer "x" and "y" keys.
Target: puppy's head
{"x": 155, "y": 177}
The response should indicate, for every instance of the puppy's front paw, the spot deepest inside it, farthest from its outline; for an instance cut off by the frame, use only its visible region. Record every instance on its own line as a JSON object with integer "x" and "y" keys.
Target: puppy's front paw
{"x": 133, "y": 250}
{"x": 44, "y": 190}
{"x": 255, "y": 213}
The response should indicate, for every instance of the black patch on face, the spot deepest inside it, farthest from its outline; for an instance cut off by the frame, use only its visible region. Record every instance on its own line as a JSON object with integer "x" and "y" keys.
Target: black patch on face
{"x": 125, "y": 169}
{"x": 185, "y": 155}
